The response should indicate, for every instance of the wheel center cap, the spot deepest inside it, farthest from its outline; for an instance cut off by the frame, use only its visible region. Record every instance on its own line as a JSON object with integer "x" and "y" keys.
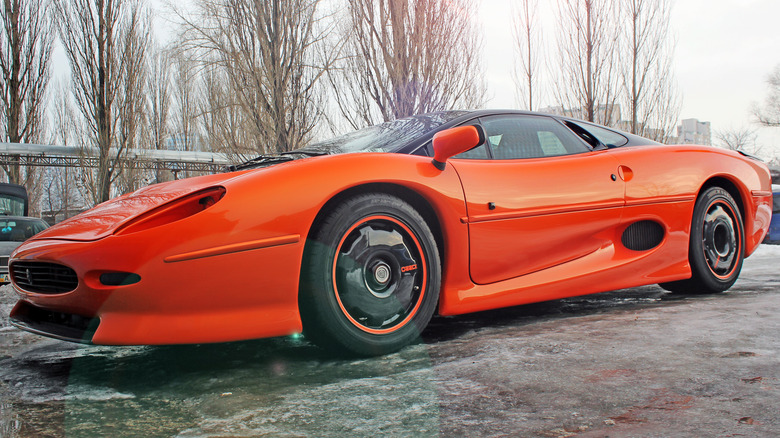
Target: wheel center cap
{"x": 382, "y": 273}
{"x": 721, "y": 236}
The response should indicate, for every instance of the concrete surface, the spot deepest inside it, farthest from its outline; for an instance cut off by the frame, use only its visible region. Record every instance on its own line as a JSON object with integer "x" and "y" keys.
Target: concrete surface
{"x": 633, "y": 363}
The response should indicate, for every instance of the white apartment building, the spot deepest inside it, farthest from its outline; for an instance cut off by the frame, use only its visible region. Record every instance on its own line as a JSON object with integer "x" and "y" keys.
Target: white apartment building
{"x": 692, "y": 131}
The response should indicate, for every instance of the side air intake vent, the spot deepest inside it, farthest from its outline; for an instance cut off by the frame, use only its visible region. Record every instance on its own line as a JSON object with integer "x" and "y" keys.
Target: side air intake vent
{"x": 643, "y": 235}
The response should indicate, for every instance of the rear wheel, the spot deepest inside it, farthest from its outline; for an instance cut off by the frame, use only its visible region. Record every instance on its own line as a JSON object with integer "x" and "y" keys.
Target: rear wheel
{"x": 371, "y": 277}
{"x": 717, "y": 245}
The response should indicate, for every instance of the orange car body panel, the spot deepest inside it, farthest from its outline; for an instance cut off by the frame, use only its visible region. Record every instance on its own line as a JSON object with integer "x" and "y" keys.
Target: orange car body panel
{"x": 232, "y": 271}
{"x": 506, "y": 203}
{"x": 693, "y": 166}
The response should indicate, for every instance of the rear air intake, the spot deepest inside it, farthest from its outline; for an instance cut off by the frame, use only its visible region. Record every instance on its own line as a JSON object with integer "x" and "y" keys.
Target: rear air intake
{"x": 643, "y": 235}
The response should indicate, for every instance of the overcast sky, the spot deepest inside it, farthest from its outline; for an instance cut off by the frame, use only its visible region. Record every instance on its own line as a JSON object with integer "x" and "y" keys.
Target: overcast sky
{"x": 725, "y": 51}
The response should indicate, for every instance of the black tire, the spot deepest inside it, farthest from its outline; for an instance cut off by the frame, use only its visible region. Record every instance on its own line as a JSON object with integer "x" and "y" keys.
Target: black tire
{"x": 717, "y": 245}
{"x": 370, "y": 278}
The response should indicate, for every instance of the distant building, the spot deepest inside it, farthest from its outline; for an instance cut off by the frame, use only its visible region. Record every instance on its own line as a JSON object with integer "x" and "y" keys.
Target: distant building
{"x": 558, "y": 111}
{"x": 608, "y": 115}
{"x": 692, "y": 131}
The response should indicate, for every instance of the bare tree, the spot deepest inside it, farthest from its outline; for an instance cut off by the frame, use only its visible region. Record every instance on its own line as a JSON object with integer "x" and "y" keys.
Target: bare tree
{"x": 158, "y": 101}
{"x": 741, "y": 139}
{"x": 588, "y": 75}
{"x": 267, "y": 51}
{"x": 60, "y": 189}
{"x": 649, "y": 88}
{"x": 224, "y": 123}
{"x": 527, "y": 38}
{"x": 769, "y": 115}
{"x": 105, "y": 41}
{"x": 25, "y": 53}
{"x": 408, "y": 57}
{"x": 131, "y": 103}
{"x": 65, "y": 128}
{"x": 185, "y": 111}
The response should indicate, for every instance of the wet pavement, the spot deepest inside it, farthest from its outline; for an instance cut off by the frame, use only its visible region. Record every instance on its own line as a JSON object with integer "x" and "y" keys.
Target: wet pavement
{"x": 636, "y": 363}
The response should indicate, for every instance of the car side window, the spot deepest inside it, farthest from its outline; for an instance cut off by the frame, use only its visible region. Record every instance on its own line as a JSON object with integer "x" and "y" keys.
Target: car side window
{"x": 607, "y": 137}
{"x": 477, "y": 153}
{"x": 513, "y": 136}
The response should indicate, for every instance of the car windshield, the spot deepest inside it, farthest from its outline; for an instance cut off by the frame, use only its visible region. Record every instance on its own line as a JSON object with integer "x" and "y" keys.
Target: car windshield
{"x": 19, "y": 230}
{"x": 386, "y": 137}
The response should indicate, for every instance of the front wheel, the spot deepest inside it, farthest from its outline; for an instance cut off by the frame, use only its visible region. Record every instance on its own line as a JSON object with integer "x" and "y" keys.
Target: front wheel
{"x": 371, "y": 277}
{"x": 717, "y": 245}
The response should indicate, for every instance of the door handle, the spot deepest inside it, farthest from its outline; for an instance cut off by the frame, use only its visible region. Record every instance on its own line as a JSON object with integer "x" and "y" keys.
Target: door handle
{"x": 625, "y": 172}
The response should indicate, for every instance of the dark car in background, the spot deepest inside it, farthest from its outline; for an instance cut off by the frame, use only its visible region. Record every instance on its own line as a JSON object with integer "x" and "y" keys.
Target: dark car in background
{"x": 773, "y": 235}
{"x": 13, "y": 231}
{"x": 13, "y": 200}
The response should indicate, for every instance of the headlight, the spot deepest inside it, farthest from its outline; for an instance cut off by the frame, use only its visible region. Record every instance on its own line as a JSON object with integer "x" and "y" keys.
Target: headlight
{"x": 173, "y": 211}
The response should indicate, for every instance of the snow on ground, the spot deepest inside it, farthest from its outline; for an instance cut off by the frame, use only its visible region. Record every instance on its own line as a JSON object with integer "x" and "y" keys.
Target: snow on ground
{"x": 635, "y": 362}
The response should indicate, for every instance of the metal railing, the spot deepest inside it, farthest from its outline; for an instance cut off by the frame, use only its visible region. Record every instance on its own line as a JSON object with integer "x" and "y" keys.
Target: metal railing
{"x": 147, "y": 159}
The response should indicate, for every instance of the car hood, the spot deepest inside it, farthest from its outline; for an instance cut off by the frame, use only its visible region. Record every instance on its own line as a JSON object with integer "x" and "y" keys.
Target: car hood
{"x": 6, "y": 248}
{"x": 105, "y": 218}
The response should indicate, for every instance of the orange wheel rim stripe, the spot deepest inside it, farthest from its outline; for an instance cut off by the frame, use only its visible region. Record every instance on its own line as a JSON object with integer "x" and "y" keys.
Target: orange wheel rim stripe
{"x": 421, "y": 263}
{"x": 733, "y": 216}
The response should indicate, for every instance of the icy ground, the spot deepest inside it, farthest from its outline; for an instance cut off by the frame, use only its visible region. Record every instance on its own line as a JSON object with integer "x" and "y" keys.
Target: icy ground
{"x": 635, "y": 362}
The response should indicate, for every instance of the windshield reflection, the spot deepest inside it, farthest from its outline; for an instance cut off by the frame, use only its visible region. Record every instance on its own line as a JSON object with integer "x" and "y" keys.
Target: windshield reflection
{"x": 385, "y": 137}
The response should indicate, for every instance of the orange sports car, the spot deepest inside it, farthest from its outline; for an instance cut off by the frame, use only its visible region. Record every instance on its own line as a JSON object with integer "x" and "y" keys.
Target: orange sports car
{"x": 358, "y": 240}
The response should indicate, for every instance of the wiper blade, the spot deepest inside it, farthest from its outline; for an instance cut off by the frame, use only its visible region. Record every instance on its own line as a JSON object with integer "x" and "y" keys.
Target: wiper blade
{"x": 308, "y": 153}
{"x": 260, "y": 160}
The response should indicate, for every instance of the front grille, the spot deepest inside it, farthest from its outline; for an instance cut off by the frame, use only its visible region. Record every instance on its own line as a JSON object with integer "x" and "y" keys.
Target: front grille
{"x": 43, "y": 278}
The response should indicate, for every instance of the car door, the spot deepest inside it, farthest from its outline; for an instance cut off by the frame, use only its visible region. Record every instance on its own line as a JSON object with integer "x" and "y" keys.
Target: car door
{"x": 540, "y": 197}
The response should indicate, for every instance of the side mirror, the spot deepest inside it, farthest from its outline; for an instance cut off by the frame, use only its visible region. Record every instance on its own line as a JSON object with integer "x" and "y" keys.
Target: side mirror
{"x": 453, "y": 141}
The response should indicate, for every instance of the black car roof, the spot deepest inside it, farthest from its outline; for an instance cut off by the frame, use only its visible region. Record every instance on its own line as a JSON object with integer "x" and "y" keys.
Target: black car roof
{"x": 633, "y": 140}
